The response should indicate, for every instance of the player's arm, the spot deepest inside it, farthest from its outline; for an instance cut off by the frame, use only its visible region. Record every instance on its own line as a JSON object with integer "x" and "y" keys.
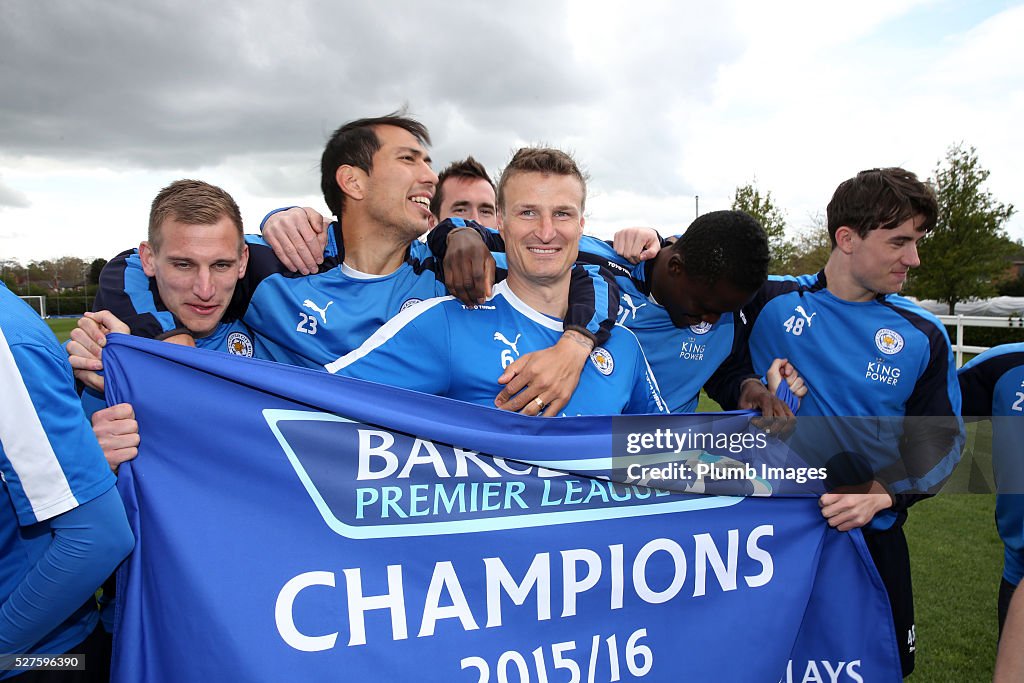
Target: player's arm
{"x": 637, "y": 244}
{"x": 87, "y": 543}
{"x": 45, "y": 439}
{"x": 933, "y": 431}
{"x": 410, "y": 351}
{"x": 299, "y": 237}
{"x": 977, "y": 381}
{"x": 466, "y": 251}
{"x": 129, "y": 294}
{"x": 734, "y": 384}
{"x": 1010, "y": 658}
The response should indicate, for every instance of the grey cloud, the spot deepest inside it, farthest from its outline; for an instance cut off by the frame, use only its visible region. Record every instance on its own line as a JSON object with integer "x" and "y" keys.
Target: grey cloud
{"x": 177, "y": 84}
{"x": 12, "y": 198}
{"x": 287, "y": 175}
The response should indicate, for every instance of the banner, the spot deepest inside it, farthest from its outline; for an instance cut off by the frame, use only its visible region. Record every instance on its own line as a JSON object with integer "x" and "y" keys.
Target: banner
{"x": 296, "y": 526}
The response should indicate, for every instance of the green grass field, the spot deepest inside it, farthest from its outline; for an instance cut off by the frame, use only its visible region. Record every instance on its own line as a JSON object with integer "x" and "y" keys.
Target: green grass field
{"x": 957, "y": 563}
{"x": 62, "y": 327}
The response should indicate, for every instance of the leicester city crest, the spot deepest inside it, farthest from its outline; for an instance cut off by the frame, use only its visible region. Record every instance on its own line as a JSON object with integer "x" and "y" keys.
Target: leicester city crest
{"x": 888, "y": 341}
{"x": 409, "y": 303}
{"x": 602, "y": 360}
{"x": 239, "y": 344}
{"x": 701, "y": 328}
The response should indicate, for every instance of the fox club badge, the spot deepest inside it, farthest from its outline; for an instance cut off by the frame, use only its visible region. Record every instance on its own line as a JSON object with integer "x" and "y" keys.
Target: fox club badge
{"x": 602, "y": 360}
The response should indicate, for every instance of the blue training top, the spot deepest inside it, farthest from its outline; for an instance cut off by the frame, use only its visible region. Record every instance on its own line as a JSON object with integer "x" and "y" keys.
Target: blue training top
{"x": 993, "y": 386}
{"x": 443, "y": 348}
{"x": 49, "y": 458}
{"x": 884, "y": 357}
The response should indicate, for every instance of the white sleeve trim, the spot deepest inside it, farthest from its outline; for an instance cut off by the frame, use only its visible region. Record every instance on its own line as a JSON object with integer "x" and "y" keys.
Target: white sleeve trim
{"x": 27, "y": 445}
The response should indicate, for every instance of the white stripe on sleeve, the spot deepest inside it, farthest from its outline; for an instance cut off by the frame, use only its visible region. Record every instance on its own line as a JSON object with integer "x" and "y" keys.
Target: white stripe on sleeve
{"x": 26, "y": 444}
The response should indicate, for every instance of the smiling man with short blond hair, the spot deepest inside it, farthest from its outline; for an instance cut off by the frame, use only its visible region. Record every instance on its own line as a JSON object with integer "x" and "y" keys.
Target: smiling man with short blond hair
{"x": 541, "y": 198}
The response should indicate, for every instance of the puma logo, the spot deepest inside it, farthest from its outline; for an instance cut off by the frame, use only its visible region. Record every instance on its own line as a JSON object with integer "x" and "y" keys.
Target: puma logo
{"x": 633, "y": 308}
{"x": 322, "y": 311}
{"x": 802, "y": 312}
{"x": 498, "y": 336}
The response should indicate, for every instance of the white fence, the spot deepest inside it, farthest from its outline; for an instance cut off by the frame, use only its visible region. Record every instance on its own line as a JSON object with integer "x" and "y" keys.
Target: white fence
{"x": 962, "y": 321}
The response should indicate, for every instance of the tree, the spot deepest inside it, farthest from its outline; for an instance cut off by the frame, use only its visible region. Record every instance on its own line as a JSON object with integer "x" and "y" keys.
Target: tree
{"x": 9, "y": 273}
{"x": 809, "y": 250}
{"x": 968, "y": 249}
{"x": 748, "y": 198}
{"x": 66, "y": 272}
{"x": 94, "y": 270}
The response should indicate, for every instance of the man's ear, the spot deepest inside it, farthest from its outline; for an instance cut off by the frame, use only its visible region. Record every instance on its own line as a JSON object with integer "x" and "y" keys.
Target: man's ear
{"x": 243, "y": 261}
{"x": 845, "y": 237}
{"x": 501, "y": 223}
{"x": 148, "y": 257}
{"x": 675, "y": 265}
{"x": 352, "y": 181}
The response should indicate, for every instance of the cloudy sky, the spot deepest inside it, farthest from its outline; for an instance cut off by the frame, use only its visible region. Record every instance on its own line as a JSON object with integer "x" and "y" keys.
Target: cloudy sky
{"x": 103, "y": 103}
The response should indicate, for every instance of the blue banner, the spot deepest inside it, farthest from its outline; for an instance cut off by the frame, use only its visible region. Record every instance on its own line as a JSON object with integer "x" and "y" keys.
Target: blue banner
{"x": 296, "y": 526}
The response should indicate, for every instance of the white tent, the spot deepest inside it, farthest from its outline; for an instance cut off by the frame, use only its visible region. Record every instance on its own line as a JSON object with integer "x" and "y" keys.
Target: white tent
{"x": 997, "y": 307}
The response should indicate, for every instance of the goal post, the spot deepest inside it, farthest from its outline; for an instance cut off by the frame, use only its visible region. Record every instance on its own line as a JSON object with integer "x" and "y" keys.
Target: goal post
{"x": 38, "y": 303}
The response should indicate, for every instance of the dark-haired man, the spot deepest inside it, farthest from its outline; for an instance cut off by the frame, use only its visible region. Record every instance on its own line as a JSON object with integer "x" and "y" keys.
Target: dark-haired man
{"x": 464, "y": 190}
{"x": 864, "y": 351}
{"x": 299, "y": 235}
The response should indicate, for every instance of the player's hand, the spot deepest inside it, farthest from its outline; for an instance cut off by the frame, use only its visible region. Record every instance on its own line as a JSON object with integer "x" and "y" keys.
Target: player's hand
{"x": 776, "y": 417}
{"x": 118, "y": 433}
{"x": 781, "y": 369}
{"x": 851, "y": 507}
{"x": 468, "y": 267}
{"x": 636, "y": 244}
{"x": 182, "y": 339}
{"x": 86, "y": 346}
{"x": 546, "y": 379}
{"x": 298, "y": 237}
